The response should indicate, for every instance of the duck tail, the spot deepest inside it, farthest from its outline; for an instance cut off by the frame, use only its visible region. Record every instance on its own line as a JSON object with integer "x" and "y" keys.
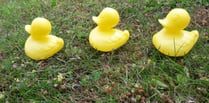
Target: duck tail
{"x": 126, "y": 33}
{"x": 61, "y": 42}
{"x": 196, "y": 33}
{"x": 28, "y": 28}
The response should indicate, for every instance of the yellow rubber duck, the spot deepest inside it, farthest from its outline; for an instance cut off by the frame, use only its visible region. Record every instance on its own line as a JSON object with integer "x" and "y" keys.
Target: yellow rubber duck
{"x": 104, "y": 38}
{"x": 40, "y": 45}
{"x": 172, "y": 40}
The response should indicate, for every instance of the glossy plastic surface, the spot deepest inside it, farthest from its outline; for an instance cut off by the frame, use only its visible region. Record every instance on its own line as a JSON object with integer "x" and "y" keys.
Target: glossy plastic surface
{"x": 104, "y": 38}
{"x": 40, "y": 45}
{"x": 172, "y": 40}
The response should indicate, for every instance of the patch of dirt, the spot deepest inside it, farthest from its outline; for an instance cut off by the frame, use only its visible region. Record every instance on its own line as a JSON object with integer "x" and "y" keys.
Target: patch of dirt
{"x": 202, "y": 16}
{"x": 2, "y": 55}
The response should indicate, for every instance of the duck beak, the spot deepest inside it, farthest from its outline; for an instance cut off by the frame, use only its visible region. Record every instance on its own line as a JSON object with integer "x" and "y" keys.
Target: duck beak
{"x": 163, "y": 22}
{"x": 95, "y": 19}
{"x": 28, "y": 28}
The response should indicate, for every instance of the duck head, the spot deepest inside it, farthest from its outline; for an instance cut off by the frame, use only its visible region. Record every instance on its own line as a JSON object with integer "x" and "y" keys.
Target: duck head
{"x": 177, "y": 19}
{"x": 107, "y": 19}
{"x": 39, "y": 28}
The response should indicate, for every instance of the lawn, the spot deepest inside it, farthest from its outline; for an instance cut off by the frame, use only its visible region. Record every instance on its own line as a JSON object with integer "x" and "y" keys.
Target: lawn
{"x": 134, "y": 73}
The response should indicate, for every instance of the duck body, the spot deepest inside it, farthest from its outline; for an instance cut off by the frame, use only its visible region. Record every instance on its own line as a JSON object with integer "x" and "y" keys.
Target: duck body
{"x": 172, "y": 39}
{"x": 40, "y": 45}
{"x": 107, "y": 40}
{"x": 175, "y": 43}
{"x": 104, "y": 37}
{"x": 43, "y": 49}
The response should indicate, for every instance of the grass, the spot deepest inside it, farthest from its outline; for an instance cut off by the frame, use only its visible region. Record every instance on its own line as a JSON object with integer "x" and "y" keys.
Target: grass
{"x": 136, "y": 72}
